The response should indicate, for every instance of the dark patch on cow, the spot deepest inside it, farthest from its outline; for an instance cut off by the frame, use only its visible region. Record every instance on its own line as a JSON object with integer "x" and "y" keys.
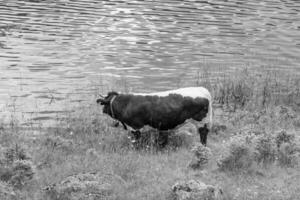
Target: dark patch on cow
{"x": 162, "y": 113}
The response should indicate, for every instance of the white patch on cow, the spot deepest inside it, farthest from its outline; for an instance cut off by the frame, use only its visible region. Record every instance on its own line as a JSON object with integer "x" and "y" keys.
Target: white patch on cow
{"x": 192, "y": 92}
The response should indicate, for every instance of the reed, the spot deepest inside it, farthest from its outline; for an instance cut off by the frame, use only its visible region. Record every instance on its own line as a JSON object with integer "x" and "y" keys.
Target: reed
{"x": 244, "y": 88}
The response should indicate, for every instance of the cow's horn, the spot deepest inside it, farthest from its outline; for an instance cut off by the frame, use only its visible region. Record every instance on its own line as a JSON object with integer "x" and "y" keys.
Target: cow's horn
{"x": 101, "y": 96}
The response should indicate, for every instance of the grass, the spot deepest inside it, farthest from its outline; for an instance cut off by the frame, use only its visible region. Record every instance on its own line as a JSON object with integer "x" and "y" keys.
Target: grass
{"x": 254, "y": 155}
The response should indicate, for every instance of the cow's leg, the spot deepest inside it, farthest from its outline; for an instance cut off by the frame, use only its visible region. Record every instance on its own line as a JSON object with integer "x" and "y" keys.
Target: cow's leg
{"x": 136, "y": 135}
{"x": 203, "y": 131}
{"x": 163, "y": 138}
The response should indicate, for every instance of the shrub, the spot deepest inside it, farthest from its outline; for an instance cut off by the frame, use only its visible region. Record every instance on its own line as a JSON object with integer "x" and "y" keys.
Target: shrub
{"x": 15, "y": 153}
{"x": 289, "y": 154}
{"x": 284, "y": 116}
{"x": 201, "y": 156}
{"x": 22, "y": 172}
{"x": 285, "y": 112}
{"x": 246, "y": 149}
{"x": 238, "y": 155}
{"x": 16, "y": 168}
{"x": 7, "y": 192}
{"x": 265, "y": 149}
{"x": 288, "y": 148}
{"x": 283, "y": 137}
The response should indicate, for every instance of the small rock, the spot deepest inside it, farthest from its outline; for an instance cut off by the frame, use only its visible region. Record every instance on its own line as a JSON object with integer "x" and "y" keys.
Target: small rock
{"x": 195, "y": 190}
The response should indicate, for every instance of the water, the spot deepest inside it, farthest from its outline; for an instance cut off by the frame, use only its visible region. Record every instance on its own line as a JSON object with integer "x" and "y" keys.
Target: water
{"x": 54, "y": 54}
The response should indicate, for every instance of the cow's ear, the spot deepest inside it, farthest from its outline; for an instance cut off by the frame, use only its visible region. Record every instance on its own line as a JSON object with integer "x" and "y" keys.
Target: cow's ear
{"x": 103, "y": 101}
{"x": 113, "y": 93}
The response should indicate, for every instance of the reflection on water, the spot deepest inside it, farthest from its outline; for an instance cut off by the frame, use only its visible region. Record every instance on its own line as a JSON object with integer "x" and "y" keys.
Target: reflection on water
{"x": 54, "y": 52}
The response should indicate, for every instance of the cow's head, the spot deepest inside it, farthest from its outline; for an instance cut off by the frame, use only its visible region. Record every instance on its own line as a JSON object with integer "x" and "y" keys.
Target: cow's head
{"x": 106, "y": 101}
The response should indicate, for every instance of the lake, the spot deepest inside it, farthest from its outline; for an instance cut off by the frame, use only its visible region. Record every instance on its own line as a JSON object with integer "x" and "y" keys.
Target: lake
{"x": 56, "y": 54}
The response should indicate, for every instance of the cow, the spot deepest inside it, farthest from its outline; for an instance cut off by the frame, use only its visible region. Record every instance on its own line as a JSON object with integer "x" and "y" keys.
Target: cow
{"x": 163, "y": 111}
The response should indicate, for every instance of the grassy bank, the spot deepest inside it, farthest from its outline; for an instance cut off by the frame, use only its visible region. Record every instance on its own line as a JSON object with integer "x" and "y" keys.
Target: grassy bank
{"x": 254, "y": 149}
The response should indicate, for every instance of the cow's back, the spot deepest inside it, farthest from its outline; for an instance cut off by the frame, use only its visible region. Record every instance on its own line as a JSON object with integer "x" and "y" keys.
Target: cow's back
{"x": 187, "y": 91}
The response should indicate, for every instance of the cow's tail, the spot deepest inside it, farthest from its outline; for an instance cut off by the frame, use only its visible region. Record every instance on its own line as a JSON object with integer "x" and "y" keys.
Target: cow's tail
{"x": 209, "y": 114}
{"x": 209, "y": 117}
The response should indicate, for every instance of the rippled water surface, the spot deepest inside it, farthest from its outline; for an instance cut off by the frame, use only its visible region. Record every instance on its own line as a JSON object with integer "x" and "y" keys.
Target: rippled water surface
{"x": 55, "y": 53}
